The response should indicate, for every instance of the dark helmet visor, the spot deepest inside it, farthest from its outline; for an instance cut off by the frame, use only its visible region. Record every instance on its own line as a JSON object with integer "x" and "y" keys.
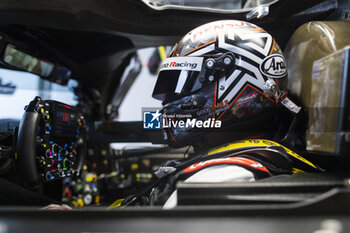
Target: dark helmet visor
{"x": 178, "y": 76}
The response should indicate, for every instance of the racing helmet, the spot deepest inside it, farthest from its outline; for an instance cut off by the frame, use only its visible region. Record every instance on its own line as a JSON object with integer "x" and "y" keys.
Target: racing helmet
{"x": 229, "y": 72}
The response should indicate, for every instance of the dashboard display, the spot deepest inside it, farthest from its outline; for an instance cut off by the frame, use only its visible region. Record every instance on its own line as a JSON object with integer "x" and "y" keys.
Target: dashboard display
{"x": 65, "y": 123}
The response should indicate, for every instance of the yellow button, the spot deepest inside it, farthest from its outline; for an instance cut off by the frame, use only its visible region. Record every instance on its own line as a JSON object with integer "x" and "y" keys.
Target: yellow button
{"x": 89, "y": 178}
{"x": 134, "y": 166}
{"x": 80, "y": 202}
{"x": 97, "y": 199}
{"x": 42, "y": 110}
{"x": 74, "y": 203}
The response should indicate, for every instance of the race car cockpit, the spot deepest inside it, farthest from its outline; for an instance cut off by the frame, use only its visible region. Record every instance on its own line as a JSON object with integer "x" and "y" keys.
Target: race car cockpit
{"x": 121, "y": 113}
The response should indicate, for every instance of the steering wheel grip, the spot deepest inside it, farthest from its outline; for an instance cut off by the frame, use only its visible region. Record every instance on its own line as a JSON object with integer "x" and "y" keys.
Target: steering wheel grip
{"x": 26, "y": 147}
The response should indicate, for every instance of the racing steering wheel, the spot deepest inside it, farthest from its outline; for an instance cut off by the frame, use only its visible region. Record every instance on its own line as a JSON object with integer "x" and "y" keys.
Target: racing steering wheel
{"x": 51, "y": 142}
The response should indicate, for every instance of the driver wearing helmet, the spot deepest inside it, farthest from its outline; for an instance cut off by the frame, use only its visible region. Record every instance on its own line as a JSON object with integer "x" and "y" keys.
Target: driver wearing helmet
{"x": 232, "y": 75}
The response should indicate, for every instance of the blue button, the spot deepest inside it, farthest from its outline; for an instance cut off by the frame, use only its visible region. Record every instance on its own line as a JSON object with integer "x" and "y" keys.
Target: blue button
{"x": 50, "y": 127}
{"x": 51, "y": 142}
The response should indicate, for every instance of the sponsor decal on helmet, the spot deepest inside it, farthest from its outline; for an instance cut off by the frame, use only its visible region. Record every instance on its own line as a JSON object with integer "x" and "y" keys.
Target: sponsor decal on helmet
{"x": 246, "y": 99}
{"x": 214, "y": 108}
{"x": 274, "y": 66}
{"x": 182, "y": 63}
{"x": 215, "y": 27}
{"x": 219, "y": 105}
{"x": 204, "y": 111}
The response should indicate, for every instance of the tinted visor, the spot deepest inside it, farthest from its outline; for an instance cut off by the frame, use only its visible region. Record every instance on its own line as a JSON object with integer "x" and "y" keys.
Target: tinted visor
{"x": 178, "y": 76}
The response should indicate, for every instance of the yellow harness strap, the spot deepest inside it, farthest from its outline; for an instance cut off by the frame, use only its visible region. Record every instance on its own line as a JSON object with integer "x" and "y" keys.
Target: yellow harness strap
{"x": 256, "y": 143}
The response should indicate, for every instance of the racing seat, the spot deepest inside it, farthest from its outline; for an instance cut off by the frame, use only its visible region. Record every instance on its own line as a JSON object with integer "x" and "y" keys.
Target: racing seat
{"x": 317, "y": 60}
{"x": 310, "y": 42}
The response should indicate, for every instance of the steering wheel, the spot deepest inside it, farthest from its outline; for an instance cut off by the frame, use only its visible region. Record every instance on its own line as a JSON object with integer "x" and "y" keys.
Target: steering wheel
{"x": 51, "y": 142}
